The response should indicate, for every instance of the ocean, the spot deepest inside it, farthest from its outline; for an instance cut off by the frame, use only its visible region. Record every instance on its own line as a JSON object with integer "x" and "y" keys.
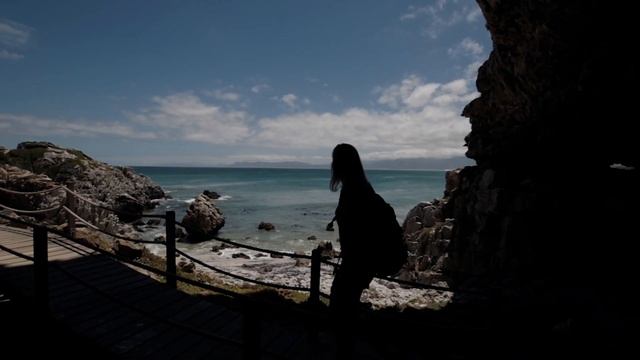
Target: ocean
{"x": 297, "y": 201}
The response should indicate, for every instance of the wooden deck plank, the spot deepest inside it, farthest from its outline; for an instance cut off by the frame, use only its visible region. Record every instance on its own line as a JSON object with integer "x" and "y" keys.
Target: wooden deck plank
{"x": 119, "y": 325}
{"x": 180, "y": 342}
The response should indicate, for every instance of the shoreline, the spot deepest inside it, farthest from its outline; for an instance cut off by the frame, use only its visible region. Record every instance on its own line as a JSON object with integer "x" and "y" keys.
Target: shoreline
{"x": 287, "y": 271}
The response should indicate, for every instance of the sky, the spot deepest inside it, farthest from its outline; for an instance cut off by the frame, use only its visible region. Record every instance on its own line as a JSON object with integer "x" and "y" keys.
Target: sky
{"x": 209, "y": 83}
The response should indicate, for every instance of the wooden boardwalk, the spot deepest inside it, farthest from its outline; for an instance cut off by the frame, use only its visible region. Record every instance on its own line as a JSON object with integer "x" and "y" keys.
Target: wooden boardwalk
{"x": 131, "y": 315}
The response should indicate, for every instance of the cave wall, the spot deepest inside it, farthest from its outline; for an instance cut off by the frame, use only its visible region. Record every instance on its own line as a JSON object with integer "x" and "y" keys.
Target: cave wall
{"x": 555, "y": 112}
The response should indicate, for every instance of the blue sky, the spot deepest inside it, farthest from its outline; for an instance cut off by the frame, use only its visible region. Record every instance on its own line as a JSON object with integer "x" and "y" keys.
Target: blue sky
{"x": 215, "y": 82}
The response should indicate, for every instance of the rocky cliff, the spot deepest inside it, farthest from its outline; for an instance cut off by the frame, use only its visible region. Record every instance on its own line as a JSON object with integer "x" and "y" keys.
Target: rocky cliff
{"x": 117, "y": 187}
{"x": 553, "y": 198}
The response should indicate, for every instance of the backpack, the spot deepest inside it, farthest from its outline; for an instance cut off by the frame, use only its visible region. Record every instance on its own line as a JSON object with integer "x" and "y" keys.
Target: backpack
{"x": 388, "y": 252}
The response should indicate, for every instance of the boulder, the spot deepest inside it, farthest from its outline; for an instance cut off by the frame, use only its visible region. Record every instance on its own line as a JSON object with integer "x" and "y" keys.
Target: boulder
{"x": 326, "y": 250}
{"x": 302, "y": 261}
{"x": 186, "y": 266}
{"x": 266, "y": 226}
{"x": 203, "y": 219}
{"x": 128, "y": 208}
{"x": 127, "y": 249}
{"x": 211, "y": 194}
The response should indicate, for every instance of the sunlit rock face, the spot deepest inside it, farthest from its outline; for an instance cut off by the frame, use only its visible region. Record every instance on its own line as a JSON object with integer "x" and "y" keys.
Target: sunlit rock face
{"x": 543, "y": 204}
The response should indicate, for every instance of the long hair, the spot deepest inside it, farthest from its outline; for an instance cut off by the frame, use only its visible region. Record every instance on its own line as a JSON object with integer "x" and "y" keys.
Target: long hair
{"x": 346, "y": 167}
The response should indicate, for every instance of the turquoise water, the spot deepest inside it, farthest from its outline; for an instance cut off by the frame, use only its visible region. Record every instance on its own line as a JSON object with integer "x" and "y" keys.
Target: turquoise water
{"x": 297, "y": 201}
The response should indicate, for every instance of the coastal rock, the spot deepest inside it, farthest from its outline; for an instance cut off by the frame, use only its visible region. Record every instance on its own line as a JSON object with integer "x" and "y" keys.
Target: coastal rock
{"x": 211, "y": 194}
{"x": 160, "y": 238}
{"x": 266, "y": 226}
{"x": 302, "y": 261}
{"x": 428, "y": 233}
{"x": 221, "y": 246}
{"x": 128, "y": 207}
{"x": 312, "y": 237}
{"x": 96, "y": 180}
{"x": 17, "y": 179}
{"x": 186, "y": 266}
{"x": 326, "y": 250}
{"x": 203, "y": 219}
{"x": 127, "y": 249}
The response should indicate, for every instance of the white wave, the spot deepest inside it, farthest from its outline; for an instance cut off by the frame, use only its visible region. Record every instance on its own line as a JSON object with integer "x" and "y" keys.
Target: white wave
{"x": 224, "y": 197}
{"x": 189, "y": 201}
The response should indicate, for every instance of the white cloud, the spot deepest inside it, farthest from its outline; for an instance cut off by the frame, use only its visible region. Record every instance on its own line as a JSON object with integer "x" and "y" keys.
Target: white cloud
{"x": 13, "y": 34}
{"x": 186, "y": 116}
{"x": 394, "y": 94}
{"x": 256, "y": 89}
{"x": 289, "y": 100}
{"x": 424, "y": 121}
{"x": 413, "y": 93}
{"x": 474, "y": 15}
{"x": 224, "y": 95}
{"x": 8, "y": 55}
{"x": 441, "y": 15}
{"x": 471, "y": 71}
{"x": 419, "y": 119}
{"x": 30, "y": 125}
{"x": 467, "y": 47}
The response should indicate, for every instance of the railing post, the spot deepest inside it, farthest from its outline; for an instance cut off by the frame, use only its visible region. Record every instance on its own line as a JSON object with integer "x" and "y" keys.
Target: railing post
{"x": 314, "y": 295}
{"x": 170, "y": 236}
{"x": 40, "y": 271}
{"x": 71, "y": 221}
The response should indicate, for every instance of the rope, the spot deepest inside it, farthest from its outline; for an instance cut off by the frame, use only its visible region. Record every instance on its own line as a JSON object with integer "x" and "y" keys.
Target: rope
{"x": 17, "y": 220}
{"x": 295, "y": 288}
{"x": 240, "y": 277}
{"x": 274, "y": 252}
{"x": 415, "y": 284}
{"x": 405, "y": 282}
{"x": 93, "y": 203}
{"x": 106, "y": 232}
{"x": 35, "y": 212}
{"x": 30, "y": 192}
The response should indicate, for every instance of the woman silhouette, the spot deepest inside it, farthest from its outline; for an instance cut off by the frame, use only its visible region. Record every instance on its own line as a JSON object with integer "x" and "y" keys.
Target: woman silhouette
{"x": 353, "y": 275}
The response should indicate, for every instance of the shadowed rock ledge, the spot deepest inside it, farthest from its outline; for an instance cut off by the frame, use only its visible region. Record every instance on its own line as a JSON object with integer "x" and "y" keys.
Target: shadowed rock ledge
{"x": 546, "y": 209}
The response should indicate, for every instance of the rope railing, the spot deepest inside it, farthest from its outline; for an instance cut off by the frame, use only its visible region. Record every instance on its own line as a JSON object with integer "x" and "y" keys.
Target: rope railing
{"x": 223, "y": 240}
{"x": 240, "y": 277}
{"x": 255, "y": 248}
{"x": 95, "y": 204}
{"x": 90, "y": 225}
{"x": 45, "y": 191}
{"x": 32, "y": 212}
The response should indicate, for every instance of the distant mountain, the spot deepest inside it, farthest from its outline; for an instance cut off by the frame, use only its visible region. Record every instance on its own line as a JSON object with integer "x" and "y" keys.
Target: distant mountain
{"x": 392, "y": 164}
{"x": 277, "y": 164}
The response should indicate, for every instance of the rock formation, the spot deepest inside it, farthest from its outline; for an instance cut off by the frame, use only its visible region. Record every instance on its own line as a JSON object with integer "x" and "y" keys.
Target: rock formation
{"x": 35, "y": 166}
{"x": 116, "y": 187}
{"x": 428, "y": 228}
{"x": 203, "y": 219}
{"x": 546, "y": 206}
